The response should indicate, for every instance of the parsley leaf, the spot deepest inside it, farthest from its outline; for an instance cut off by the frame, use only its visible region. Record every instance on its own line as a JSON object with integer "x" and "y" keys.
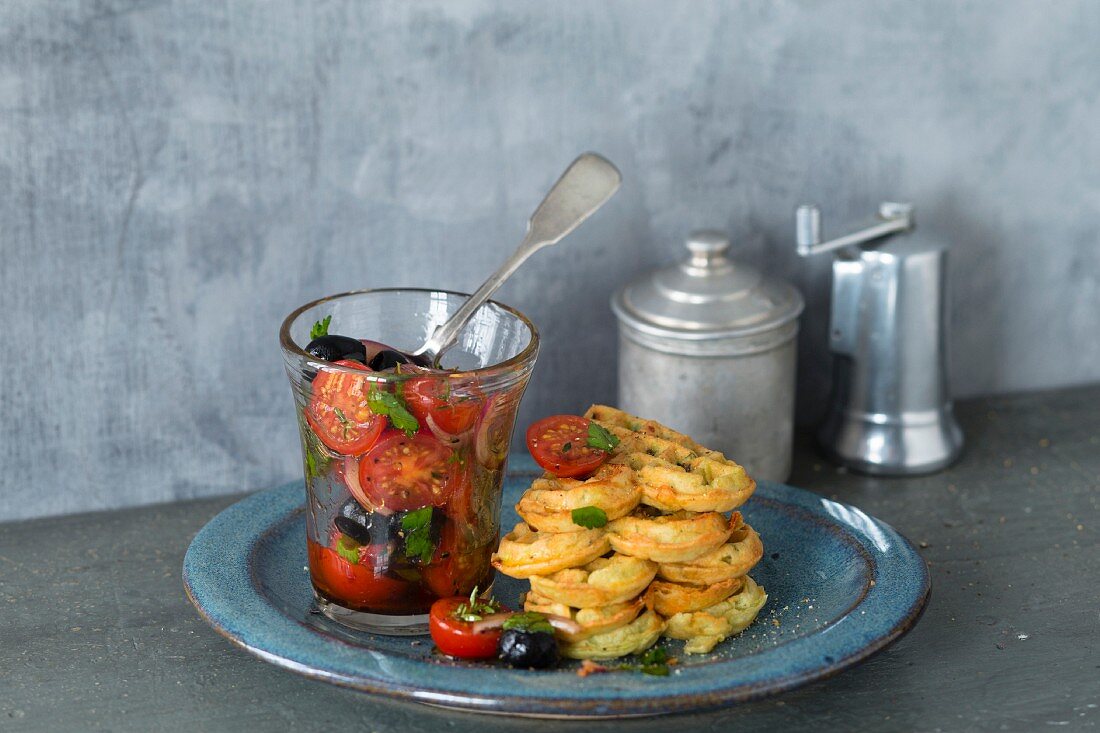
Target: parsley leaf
{"x": 320, "y": 328}
{"x": 417, "y": 525}
{"x": 589, "y": 517}
{"x": 475, "y": 609}
{"x": 654, "y": 662}
{"x": 529, "y": 621}
{"x": 390, "y": 405}
{"x": 348, "y": 549}
{"x": 600, "y": 439}
{"x": 316, "y": 459}
{"x": 344, "y": 422}
{"x": 657, "y": 670}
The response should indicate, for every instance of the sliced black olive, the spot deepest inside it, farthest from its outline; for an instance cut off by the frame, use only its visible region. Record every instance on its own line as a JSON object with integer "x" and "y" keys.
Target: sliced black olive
{"x": 374, "y": 528}
{"x": 335, "y": 348}
{"x": 367, "y": 528}
{"x": 528, "y": 649}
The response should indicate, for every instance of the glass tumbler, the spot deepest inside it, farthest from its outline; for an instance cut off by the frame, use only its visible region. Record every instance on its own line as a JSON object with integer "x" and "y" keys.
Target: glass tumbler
{"x": 404, "y": 466}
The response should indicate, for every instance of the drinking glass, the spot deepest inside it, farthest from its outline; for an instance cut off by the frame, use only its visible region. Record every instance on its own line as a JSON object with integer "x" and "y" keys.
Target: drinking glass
{"x": 404, "y": 469}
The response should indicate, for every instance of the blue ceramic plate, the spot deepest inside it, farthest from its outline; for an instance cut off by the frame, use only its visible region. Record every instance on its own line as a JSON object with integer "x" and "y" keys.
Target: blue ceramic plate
{"x": 841, "y": 585}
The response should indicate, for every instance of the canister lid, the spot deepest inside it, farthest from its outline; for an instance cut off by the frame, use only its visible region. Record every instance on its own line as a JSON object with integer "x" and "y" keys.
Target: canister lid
{"x": 707, "y": 296}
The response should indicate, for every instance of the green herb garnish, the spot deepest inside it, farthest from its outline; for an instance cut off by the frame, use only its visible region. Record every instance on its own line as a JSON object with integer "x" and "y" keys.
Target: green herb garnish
{"x": 348, "y": 549}
{"x": 600, "y": 439}
{"x": 654, "y": 662}
{"x": 589, "y": 517}
{"x": 320, "y": 328}
{"x": 529, "y": 621}
{"x": 417, "y": 526}
{"x": 312, "y": 469}
{"x": 316, "y": 459}
{"x": 390, "y": 405}
{"x": 344, "y": 422}
{"x": 475, "y": 609}
{"x": 566, "y": 447}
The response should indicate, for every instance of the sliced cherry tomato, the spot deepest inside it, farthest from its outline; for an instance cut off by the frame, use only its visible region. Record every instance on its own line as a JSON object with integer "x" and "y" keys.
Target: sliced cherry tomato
{"x": 456, "y": 568}
{"x": 560, "y": 445}
{"x": 355, "y": 585}
{"x": 338, "y": 411}
{"x": 456, "y": 637}
{"x": 431, "y": 397}
{"x": 402, "y": 473}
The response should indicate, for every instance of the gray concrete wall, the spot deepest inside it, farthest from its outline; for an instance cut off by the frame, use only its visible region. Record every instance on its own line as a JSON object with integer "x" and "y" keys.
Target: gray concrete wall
{"x": 176, "y": 176}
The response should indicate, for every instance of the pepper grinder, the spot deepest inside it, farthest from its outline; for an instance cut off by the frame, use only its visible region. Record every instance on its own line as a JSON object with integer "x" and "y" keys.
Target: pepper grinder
{"x": 890, "y": 412}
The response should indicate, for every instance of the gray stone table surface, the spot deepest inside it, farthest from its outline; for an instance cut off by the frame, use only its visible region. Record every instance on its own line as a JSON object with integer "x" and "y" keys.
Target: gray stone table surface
{"x": 96, "y": 633}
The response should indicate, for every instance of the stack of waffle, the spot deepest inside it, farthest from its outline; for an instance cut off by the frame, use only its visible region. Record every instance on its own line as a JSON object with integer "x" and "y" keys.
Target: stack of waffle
{"x": 671, "y": 559}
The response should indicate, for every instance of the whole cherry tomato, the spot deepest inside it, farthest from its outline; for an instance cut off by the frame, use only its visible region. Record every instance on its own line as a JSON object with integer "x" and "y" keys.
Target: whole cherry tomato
{"x": 455, "y": 636}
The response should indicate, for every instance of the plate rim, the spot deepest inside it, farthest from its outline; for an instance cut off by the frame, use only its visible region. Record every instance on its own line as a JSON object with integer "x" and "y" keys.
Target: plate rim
{"x": 556, "y": 706}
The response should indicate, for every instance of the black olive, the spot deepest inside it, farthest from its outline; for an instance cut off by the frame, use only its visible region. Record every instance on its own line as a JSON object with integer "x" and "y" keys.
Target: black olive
{"x": 528, "y": 649}
{"x": 374, "y": 528}
{"x": 335, "y": 348}
{"x": 367, "y": 528}
{"x": 387, "y": 359}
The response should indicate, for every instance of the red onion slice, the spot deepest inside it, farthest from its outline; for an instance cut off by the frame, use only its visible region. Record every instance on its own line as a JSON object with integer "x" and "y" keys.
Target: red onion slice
{"x": 563, "y": 624}
{"x": 490, "y": 622}
{"x": 496, "y": 621}
{"x": 490, "y": 431}
{"x": 442, "y": 435}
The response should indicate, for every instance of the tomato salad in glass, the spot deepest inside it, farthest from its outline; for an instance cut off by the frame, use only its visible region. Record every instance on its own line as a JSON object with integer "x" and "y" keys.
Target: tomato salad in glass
{"x": 403, "y": 466}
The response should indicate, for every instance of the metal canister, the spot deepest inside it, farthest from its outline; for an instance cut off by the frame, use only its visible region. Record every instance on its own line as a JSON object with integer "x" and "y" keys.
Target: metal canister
{"x": 708, "y": 348}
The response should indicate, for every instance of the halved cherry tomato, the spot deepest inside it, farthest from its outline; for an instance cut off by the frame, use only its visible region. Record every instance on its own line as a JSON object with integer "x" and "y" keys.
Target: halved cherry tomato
{"x": 354, "y": 585}
{"x": 402, "y": 473}
{"x": 338, "y": 411}
{"x": 456, "y": 568}
{"x": 431, "y": 397}
{"x": 560, "y": 445}
{"x": 456, "y": 637}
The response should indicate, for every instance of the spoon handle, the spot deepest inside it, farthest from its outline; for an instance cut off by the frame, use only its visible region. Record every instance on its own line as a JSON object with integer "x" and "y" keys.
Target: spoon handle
{"x": 584, "y": 187}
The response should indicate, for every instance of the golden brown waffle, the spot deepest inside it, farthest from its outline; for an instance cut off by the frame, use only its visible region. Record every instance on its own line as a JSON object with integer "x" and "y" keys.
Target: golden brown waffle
{"x": 732, "y": 560}
{"x": 637, "y": 636}
{"x": 548, "y": 504}
{"x": 592, "y": 621}
{"x": 677, "y": 537}
{"x": 704, "y": 629}
{"x": 603, "y": 581}
{"x": 523, "y": 552}
{"x": 670, "y": 599}
{"x": 674, "y": 472}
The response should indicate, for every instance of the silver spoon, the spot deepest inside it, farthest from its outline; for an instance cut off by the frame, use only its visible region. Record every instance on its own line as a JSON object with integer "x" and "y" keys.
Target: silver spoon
{"x": 585, "y": 186}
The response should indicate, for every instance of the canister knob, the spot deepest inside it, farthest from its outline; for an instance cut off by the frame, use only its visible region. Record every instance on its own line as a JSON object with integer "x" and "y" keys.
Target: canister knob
{"x": 706, "y": 246}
